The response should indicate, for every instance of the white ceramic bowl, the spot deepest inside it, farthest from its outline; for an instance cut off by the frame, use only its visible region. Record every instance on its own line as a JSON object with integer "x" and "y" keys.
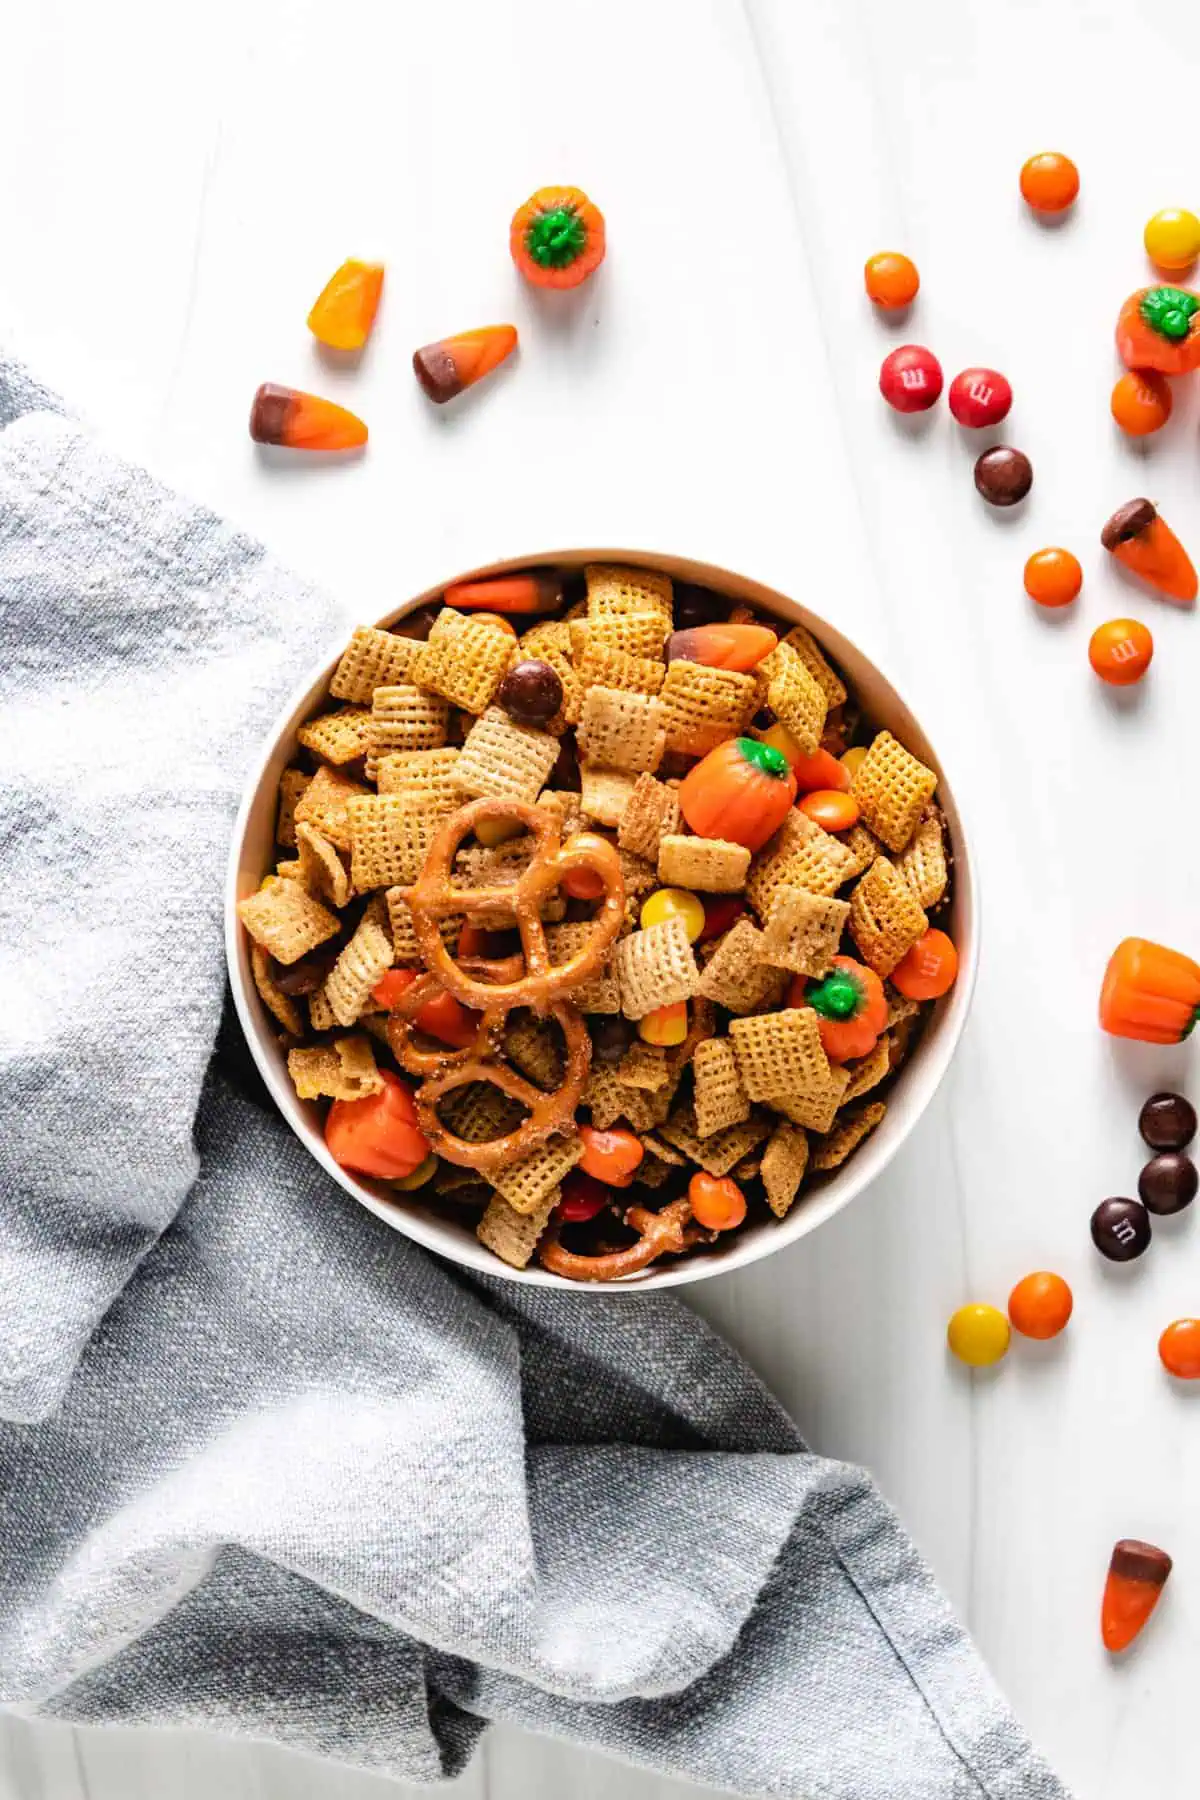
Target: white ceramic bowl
{"x": 253, "y": 852}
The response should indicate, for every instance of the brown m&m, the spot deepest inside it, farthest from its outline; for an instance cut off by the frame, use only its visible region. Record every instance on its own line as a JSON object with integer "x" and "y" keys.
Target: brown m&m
{"x": 1167, "y": 1122}
{"x": 1121, "y": 1229}
{"x": 1003, "y": 475}
{"x": 531, "y": 693}
{"x": 1168, "y": 1182}
{"x": 1137, "y": 1574}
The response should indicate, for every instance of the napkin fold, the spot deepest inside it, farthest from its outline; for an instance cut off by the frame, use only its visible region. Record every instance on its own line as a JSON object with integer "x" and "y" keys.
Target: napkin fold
{"x": 267, "y": 1468}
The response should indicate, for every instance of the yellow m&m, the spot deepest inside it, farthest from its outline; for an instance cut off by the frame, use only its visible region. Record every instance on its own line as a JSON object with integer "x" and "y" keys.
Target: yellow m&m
{"x": 978, "y": 1335}
{"x": 674, "y": 903}
{"x": 1172, "y": 239}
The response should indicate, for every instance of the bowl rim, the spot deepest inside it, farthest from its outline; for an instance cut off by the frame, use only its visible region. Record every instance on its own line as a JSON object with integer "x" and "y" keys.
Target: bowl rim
{"x": 922, "y": 1077}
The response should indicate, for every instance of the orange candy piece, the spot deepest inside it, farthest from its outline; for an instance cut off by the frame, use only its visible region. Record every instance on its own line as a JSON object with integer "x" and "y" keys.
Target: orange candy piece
{"x": 1141, "y": 402}
{"x": 1141, "y": 540}
{"x": 718, "y": 1203}
{"x": 891, "y": 279}
{"x": 1040, "y": 1305}
{"x": 344, "y": 311}
{"x": 1150, "y": 992}
{"x": 1049, "y": 182}
{"x": 830, "y": 809}
{"x": 610, "y": 1156}
{"x": 299, "y": 421}
{"x": 1141, "y": 344}
{"x": 1137, "y": 1574}
{"x": 451, "y": 365}
{"x": 540, "y": 592}
{"x": 929, "y": 970}
{"x": 1179, "y": 1349}
{"x": 1053, "y": 576}
{"x": 557, "y": 239}
{"x": 737, "y": 647}
{"x": 1120, "y": 651}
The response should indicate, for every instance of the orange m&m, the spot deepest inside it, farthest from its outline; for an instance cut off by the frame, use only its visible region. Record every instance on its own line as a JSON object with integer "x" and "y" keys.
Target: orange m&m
{"x": 1049, "y": 182}
{"x": 1141, "y": 402}
{"x": 1053, "y": 576}
{"x": 1120, "y": 651}
{"x": 1040, "y": 1305}
{"x": 1179, "y": 1349}
{"x": 891, "y": 279}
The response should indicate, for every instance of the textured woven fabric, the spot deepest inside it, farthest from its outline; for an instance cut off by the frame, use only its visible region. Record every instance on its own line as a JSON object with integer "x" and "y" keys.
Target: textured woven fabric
{"x": 264, "y": 1466}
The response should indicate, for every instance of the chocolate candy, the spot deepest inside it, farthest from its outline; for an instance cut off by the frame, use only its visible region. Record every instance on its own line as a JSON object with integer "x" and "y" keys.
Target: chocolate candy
{"x": 1167, "y": 1122}
{"x": 611, "y": 1038}
{"x": 1168, "y": 1182}
{"x": 531, "y": 693}
{"x": 697, "y": 606}
{"x": 1003, "y": 475}
{"x": 1137, "y": 1574}
{"x": 1121, "y": 1229}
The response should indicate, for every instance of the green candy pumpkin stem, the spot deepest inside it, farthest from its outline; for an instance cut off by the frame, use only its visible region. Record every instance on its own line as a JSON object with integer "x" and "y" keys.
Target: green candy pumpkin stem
{"x": 1168, "y": 310}
{"x": 839, "y": 996}
{"x": 764, "y": 757}
{"x": 556, "y": 239}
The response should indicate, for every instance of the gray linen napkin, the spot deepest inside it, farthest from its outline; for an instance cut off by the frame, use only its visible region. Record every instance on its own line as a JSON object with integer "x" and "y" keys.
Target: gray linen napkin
{"x": 269, "y": 1469}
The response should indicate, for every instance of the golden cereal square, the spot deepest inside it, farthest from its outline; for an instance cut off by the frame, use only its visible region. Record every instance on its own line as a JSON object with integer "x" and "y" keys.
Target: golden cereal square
{"x": 886, "y": 918}
{"x": 655, "y": 967}
{"x": 864, "y": 848}
{"x": 780, "y": 1054}
{"x": 651, "y": 813}
{"x": 636, "y": 634}
{"x": 644, "y": 1066}
{"x": 621, "y": 730}
{"x": 372, "y": 659}
{"x": 465, "y": 661}
{"x": 533, "y": 1047}
{"x": 338, "y": 737}
{"x": 604, "y": 793}
{"x": 870, "y": 1070}
{"x": 320, "y": 1013}
{"x": 600, "y": 993}
{"x": 822, "y": 671}
{"x": 292, "y": 784}
{"x": 735, "y": 976}
{"x": 609, "y": 1099}
{"x": 279, "y": 1004}
{"x": 343, "y": 1070}
{"x": 599, "y": 667}
{"x": 892, "y": 789}
{"x": 404, "y": 717}
{"x": 720, "y": 1152}
{"x": 478, "y": 1112}
{"x": 564, "y": 807}
{"x": 285, "y": 919}
{"x": 526, "y": 1184}
{"x": 816, "y": 1111}
{"x": 784, "y": 1162}
{"x": 612, "y": 591}
{"x": 425, "y": 778}
{"x": 799, "y": 855}
{"x": 719, "y": 1097}
{"x": 404, "y": 937}
{"x": 325, "y": 805}
{"x": 321, "y": 867}
{"x": 702, "y": 865}
{"x": 803, "y": 932}
{"x": 705, "y": 706}
{"x": 513, "y": 1236}
{"x": 389, "y": 840}
{"x": 505, "y": 760}
{"x": 847, "y": 1136}
{"x": 923, "y": 864}
{"x": 365, "y": 959}
{"x": 797, "y": 698}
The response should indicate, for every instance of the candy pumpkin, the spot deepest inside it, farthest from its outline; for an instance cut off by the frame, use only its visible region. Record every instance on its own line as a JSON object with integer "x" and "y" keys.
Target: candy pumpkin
{"x": 742, "y": 791}
{"x": 850, "y": 1005}
{"x": 1159, "y": 328}
{"x": 557, "y": 237}
{"x": 1149, "y": 993}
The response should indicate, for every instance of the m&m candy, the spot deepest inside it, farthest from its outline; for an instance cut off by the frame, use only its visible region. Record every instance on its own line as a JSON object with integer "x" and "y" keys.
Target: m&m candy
{"x": 1049, "y": 182}
{"x": 891, "y": 280}
{"x": 1053, "y": 576}
{"x": 1120, "y": 651}
{"x": 1179, "y": 1349}
{"x": 979, "y": 397}
{"x": 1141, "y": 402}
{"x": 978, "y": 1335}
{"x": 911, "y": 379}
{"x": 1172, "y": 239}
{"x": 1040, "y": 1305}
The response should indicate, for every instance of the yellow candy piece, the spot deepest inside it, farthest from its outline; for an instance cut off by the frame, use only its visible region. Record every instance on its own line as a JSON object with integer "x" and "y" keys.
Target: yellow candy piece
{"x": 666, "y": 1025}
{"x": 853, "y": 758}
{"x": 675, "y": 903}
{"x": 491, "y": 832}
{"x": 1172, "y": 239}
{"x": 978, "y": 1335}
{"x": 423, "y": 1172}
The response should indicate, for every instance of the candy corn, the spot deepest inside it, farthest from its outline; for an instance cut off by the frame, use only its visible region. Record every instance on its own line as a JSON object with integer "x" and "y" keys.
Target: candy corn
{"x": 283, "y": 415}
{"x": 542, "y": 592}
{"x": 444, "y": 369}
{"x": 1143, "y": 541}
{"x": 344, "y": 311}
{"x": 1137, "y": 1573}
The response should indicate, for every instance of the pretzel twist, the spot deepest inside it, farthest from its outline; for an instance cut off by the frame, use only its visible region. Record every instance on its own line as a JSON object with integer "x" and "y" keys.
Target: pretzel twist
{"x": 666, "y": 1233}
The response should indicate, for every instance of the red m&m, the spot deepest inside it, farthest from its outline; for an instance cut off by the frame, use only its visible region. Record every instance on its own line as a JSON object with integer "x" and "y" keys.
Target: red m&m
{"x": 911, "y": 378}
{"x": 980, "y": 397}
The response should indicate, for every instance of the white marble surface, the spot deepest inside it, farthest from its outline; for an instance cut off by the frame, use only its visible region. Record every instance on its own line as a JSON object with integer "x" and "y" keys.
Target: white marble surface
{"x": 177, "y": 183}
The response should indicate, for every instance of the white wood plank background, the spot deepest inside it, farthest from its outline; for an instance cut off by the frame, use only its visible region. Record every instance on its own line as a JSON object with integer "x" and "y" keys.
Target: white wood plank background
{"x": 177, "y": 182}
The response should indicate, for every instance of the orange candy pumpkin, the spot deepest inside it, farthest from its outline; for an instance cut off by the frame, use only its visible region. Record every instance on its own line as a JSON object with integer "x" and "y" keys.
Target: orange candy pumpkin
{"x": 742, "y": 791}
{"x": 1159, "y": 328}
{"x": 850, "y": 1005}
{"x": 1150, "y": 993}
{"x": 557, "y": 237}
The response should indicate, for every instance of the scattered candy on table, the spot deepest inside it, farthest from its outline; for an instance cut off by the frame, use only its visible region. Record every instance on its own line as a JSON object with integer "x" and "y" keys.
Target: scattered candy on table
{"x": 1167, "y": 1122}
{"x": 718, "y": 1203}
{"x": 1142, "y": 541}
{"x": 1150, "y": 993}
{"x": 910, "y": 379}
{"x": 979, "y": 397}
{"x": 300, "y": 421}
{"x": 740, "y": 792}
{"x": 929, "y": 969}
{"x": 557, "y": 238}
{"x": 1049, "y": 182}
{"x": 448, "y": 367}
{"x": 831, "y": 808}
{"x": 1121, "y": 1229}
{"x": 1120, "y": 651}
{"x": 1141, "y": 402}
{"x": 979, "y": 1335}
{"x": 1168, "y": 1182}
{"x": 1179, "y": 1349}
{"x": 1053, "y": 577}
{"x": 1159, "y": 328}
{"x": 891, "y": 279}
{"x": 1137, "y": 1574}
{"x": 344, "y": 311}
{"x": 1172, "y": 239}
{"x": 1003, "y": 475}
{"x": 1040, "y": 1305}
{"x": 675, "y": 903}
